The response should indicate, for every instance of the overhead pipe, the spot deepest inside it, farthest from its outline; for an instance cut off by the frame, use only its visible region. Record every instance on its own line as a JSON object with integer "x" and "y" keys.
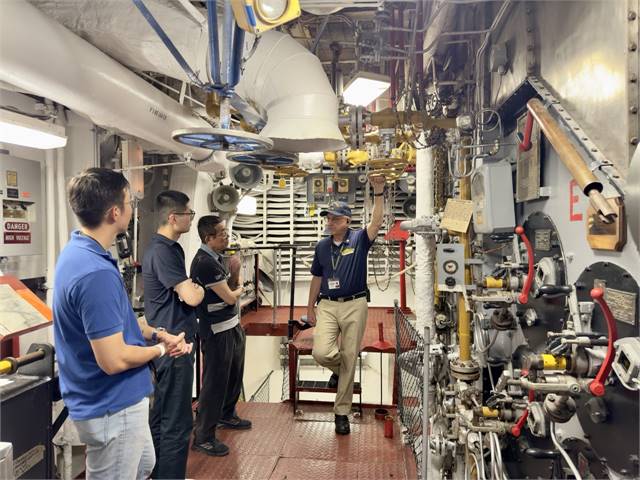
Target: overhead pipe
{"x": 86, "y": 80}
{"x": 289, "y": 84}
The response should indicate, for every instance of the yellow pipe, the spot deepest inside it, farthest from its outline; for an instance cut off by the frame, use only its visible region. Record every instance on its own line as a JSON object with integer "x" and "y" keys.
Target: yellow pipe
{"x": 490, "y": 412}
{"x": 464, "y": 319}
{"x": 551, "y": 362}
{"x": 492, "y": 282}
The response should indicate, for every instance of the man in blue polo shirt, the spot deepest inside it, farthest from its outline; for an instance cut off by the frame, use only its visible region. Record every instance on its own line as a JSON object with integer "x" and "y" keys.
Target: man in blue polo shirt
{"x": 169, "y": 300}
{"x": 101, "y": 351}
{"x": 339, "y": 285}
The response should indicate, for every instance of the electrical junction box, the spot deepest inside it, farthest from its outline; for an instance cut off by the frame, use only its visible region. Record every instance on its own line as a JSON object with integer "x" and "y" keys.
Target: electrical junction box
{"x": 21, "y": 220}
{"x": 492, "y": 197}
{"x": 324, "y": 188}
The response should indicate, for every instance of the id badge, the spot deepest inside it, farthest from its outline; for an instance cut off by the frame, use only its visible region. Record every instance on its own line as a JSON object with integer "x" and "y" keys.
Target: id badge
{"x": 334, "y": 284}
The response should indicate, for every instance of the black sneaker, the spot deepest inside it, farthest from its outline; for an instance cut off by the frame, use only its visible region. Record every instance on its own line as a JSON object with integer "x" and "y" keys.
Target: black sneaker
{"x": 333, "y": 381}
{"x": 234, "y": 423}
{"x": 212, "y": 447}
{"x": 342, "y": 425}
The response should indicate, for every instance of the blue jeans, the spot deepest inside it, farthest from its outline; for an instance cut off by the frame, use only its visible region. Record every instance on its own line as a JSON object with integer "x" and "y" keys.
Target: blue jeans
{"x": 119, "y": 445}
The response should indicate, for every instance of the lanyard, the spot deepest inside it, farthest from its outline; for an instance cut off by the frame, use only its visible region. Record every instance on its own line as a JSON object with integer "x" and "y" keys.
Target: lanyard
{"x": 335, "y": 260}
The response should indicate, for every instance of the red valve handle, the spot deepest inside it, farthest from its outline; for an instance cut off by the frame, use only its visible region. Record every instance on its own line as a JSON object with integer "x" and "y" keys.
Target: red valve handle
{"x": 516, "y": 430}
{"x": 523, "y": 298}
{"x": 596, "y": 387}
{"x": 525, "y": 145}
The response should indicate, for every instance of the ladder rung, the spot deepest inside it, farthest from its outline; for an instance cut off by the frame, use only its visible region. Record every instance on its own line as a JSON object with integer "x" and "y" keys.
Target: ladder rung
{"x": 321, "y": 386}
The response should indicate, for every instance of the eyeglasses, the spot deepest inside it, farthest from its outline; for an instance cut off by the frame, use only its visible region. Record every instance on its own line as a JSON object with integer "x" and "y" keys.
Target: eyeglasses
{"x": 191, "y": 213}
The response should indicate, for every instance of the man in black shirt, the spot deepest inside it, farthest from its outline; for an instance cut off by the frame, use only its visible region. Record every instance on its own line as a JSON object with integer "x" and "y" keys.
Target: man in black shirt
{"x": 223, "y": 340}
{"x": 169, "y": 301}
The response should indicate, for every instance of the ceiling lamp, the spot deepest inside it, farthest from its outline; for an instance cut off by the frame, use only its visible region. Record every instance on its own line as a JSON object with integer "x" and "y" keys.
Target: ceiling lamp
{"x": 222, "y": 139}
{"x": 257, "y": 16}
{"x": 31, "y": 132}
{"x": 365, "y": 87}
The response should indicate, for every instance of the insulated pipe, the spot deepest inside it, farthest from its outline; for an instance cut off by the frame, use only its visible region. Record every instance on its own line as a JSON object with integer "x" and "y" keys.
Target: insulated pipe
{"x": 568, "y": 154}
{"x": 86, "y": 80}
{"x": 49, "y": 156}
{"x": 290, "y": 85}
{"x": 425, "y": 244}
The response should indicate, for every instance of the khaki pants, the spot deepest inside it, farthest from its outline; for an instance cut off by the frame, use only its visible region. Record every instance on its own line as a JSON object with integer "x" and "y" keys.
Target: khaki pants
{"x": 347, "y": 320}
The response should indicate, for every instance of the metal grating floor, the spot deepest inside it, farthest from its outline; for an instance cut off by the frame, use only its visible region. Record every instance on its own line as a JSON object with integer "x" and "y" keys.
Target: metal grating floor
{"x": 281, "y": 447}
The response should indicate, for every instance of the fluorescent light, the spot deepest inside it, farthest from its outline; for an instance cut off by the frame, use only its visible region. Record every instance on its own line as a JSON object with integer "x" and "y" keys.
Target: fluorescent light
{"x": 247, "y": 206}
{"x": 365, "y": 87}
{"x": 30, "y": 132}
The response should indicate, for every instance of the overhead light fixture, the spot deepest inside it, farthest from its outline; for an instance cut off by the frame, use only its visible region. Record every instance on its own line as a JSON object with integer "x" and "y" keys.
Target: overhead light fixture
{"x": 31, "y": 132}
{"x": 257, "y": 16}
{"x": 365, "y": 87}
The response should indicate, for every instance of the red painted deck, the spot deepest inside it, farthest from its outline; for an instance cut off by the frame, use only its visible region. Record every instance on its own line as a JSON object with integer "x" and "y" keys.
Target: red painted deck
{"x": 280, "y": 447}
{"x": 261, "y": 323}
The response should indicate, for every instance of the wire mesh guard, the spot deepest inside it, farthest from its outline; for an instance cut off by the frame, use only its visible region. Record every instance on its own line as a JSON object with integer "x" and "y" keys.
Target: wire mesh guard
{"x": 261, "y": 394}
{"x": 409, "y": 369}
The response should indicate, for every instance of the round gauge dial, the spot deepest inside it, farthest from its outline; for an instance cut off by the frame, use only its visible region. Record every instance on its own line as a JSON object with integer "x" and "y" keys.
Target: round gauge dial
{"x": 450, "y": 267}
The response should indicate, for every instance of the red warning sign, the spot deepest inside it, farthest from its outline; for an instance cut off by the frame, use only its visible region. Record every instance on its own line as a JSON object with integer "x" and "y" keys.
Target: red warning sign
{"x": 16, "y": 237}
{"x": 16, "y": 226}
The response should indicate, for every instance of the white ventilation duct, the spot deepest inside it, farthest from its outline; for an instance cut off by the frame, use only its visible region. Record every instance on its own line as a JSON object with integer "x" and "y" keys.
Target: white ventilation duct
{"x": 41, "y": 56}
{"x": 289, "y": 83}
{"x": 281, "y": 78}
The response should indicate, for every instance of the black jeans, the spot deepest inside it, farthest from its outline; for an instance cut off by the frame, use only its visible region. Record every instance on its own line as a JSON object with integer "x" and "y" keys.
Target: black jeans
{"x": 221, "y": 380}
{"x": 171, "y": 416}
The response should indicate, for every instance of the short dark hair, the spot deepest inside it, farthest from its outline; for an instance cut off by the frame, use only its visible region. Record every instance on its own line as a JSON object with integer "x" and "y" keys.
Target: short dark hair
{"x": 207, "y": 226}
{"x": 168, "y": 202}
{"x": 93, "y": 192}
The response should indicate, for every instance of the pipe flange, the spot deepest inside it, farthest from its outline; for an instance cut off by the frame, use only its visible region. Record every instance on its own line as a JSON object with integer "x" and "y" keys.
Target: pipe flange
{"x": 560, "y": 408}
{"x": 356, "y": 127}
{"x": 466, "y": 371}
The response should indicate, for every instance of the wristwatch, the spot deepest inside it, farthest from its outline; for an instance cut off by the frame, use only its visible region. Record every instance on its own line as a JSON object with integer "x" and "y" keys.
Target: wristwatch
{"x": 156, "y": 331}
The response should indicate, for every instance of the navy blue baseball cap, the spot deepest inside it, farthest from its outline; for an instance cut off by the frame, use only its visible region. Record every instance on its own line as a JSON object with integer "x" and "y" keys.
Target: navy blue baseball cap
{"x": 339, "y": 209}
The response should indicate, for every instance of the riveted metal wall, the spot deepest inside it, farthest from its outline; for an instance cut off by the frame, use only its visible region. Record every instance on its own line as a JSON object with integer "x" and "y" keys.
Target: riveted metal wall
{"x": 587, "y": 52}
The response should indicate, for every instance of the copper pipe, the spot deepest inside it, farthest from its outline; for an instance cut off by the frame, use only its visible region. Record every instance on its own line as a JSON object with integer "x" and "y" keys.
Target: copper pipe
{"x": 572, "y": 159}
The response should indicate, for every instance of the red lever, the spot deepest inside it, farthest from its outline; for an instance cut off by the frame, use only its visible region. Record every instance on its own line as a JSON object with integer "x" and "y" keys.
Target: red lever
{"x": 597, "y": 386}
{"x": 516, "y": 430}
{"x": 525, "y": 145}
{"x": 523, "y": 298}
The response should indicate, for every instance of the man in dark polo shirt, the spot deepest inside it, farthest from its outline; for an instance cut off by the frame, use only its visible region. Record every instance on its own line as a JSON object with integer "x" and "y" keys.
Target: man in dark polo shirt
{"x": 223, "y": 340}
{"x": 339, "y": 285}
{"x": 169, "y": 300}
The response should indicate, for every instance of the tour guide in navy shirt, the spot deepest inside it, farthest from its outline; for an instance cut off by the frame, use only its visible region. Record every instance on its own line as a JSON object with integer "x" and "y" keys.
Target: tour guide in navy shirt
{"x": 169, "y": 301}
{"x": 339, "y": 285}
{"x": 101, "y": 351}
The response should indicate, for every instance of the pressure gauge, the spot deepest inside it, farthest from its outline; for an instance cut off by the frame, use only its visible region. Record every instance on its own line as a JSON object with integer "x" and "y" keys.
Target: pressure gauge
{"x": 450, "y": 267}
